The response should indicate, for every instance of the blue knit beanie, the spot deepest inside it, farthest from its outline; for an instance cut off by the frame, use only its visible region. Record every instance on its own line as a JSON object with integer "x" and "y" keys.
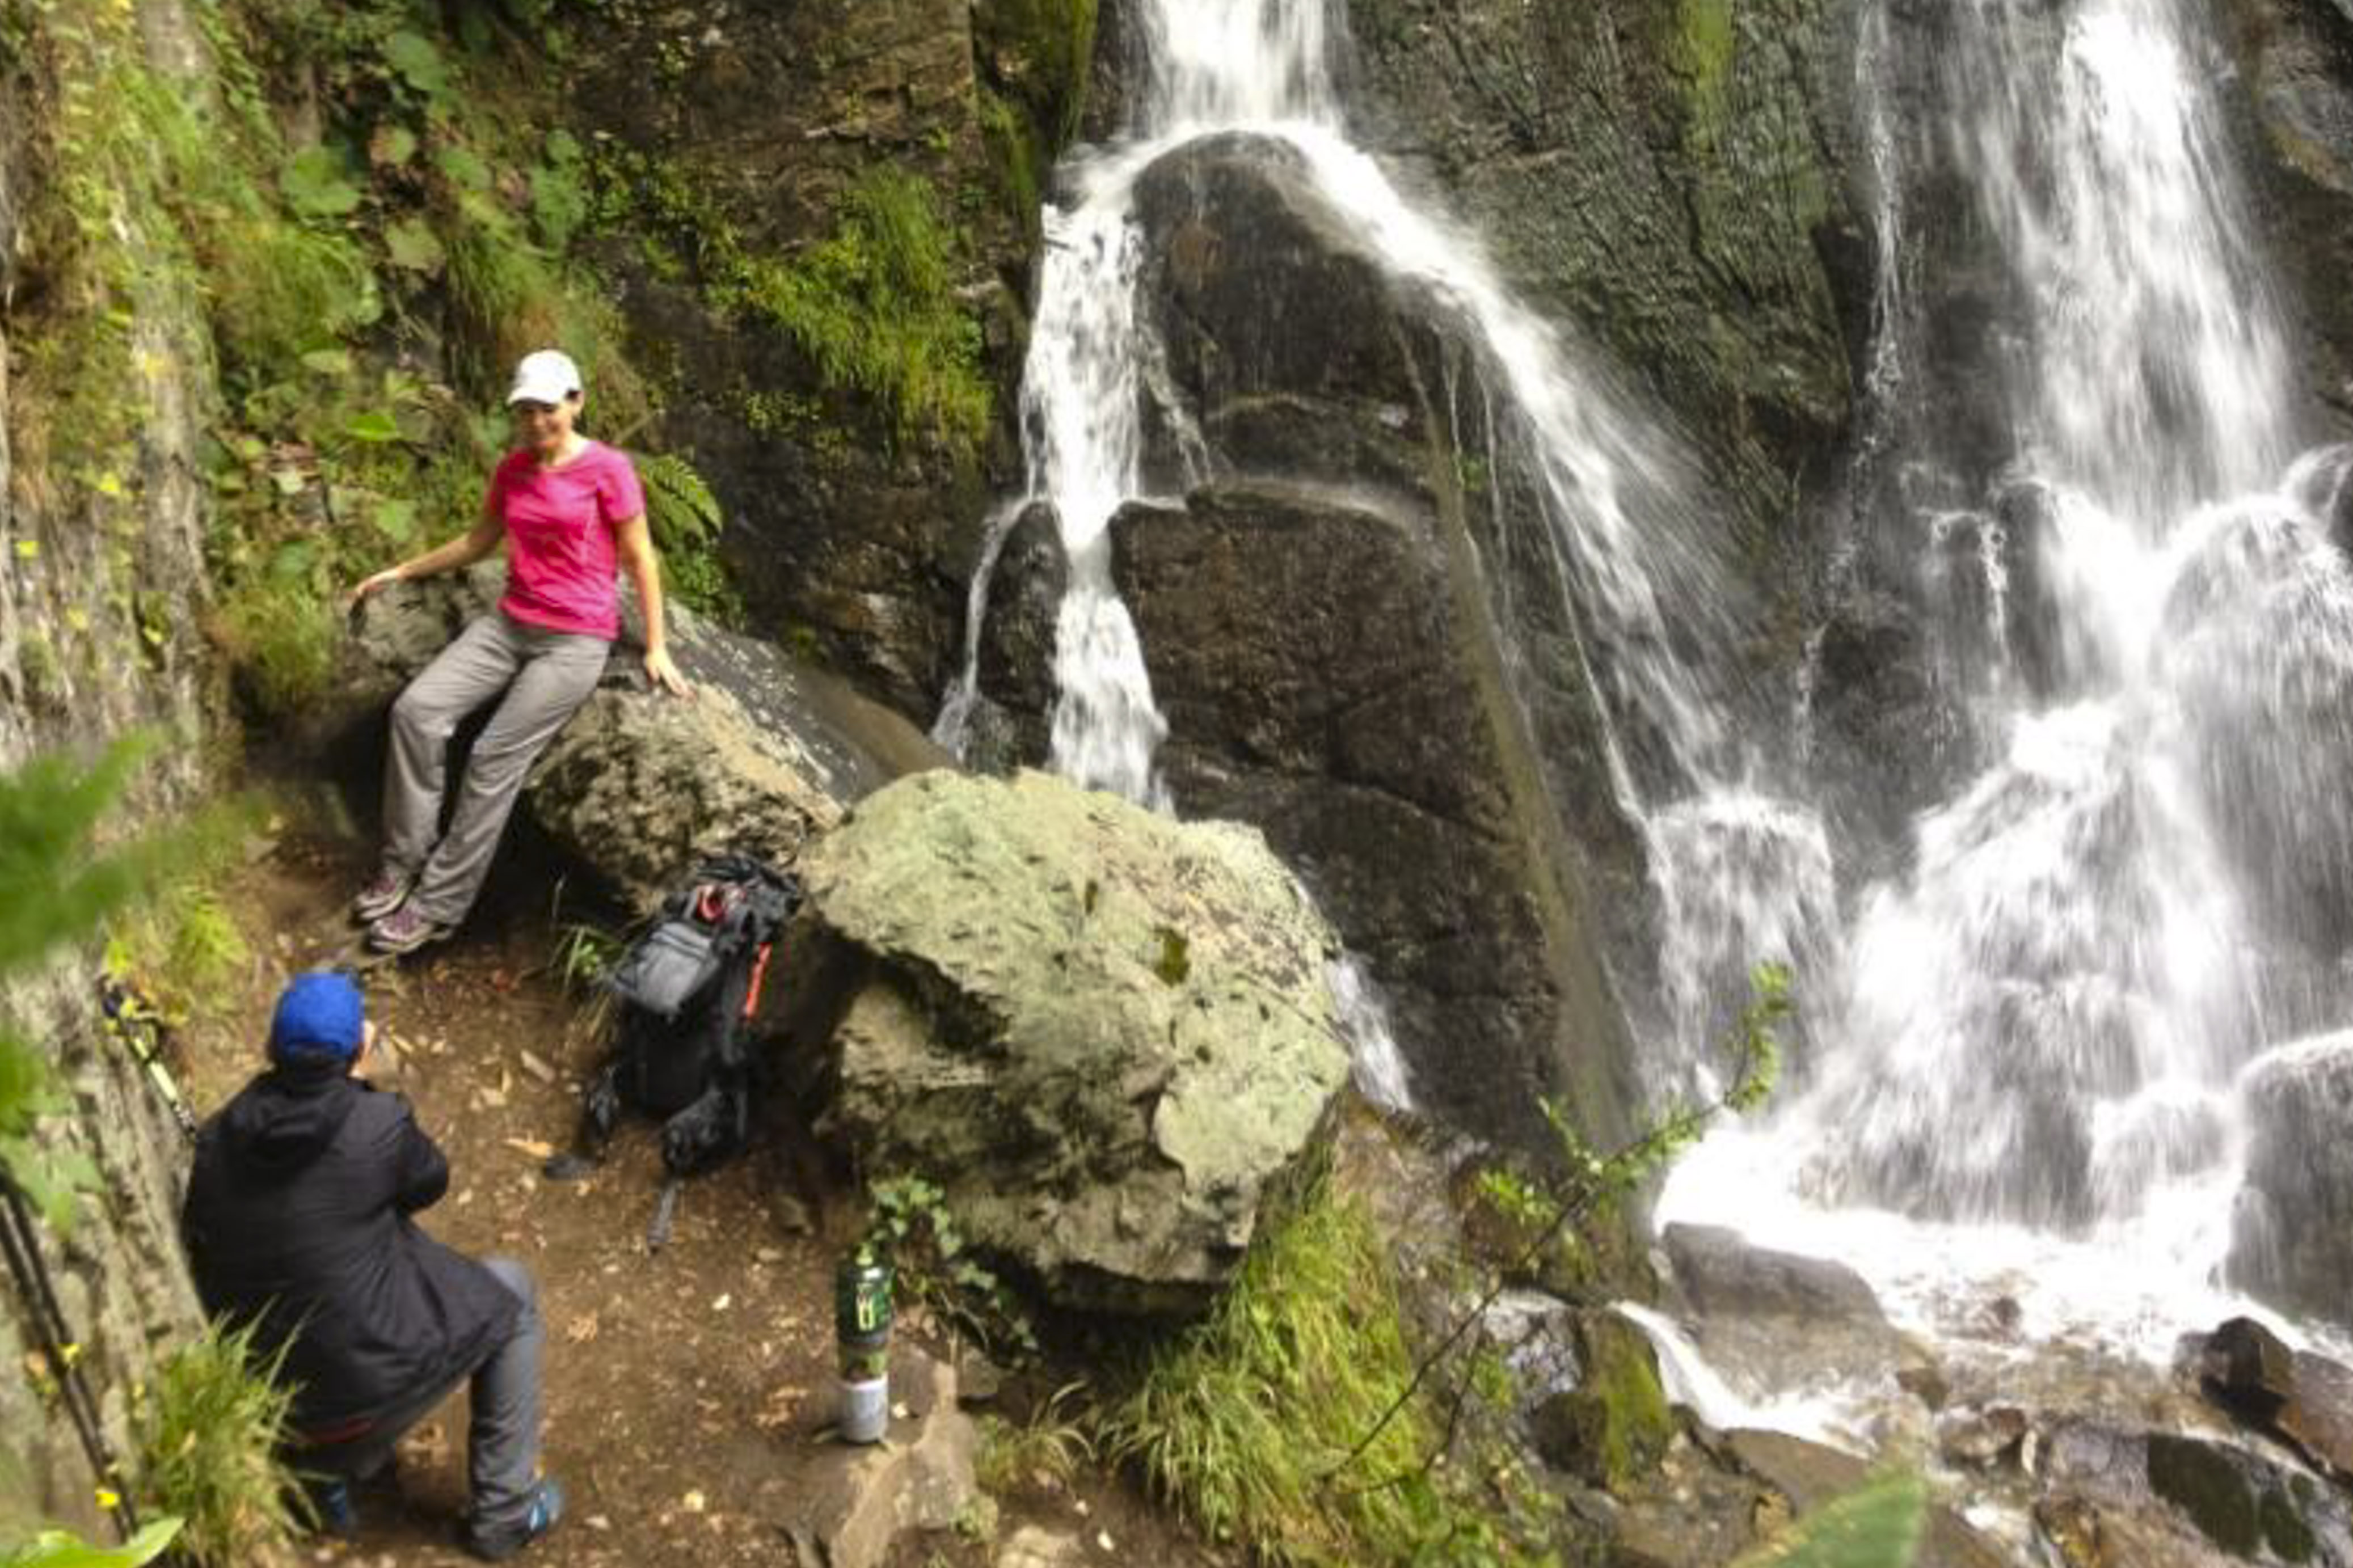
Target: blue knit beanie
{"x": 319, "y": 1018}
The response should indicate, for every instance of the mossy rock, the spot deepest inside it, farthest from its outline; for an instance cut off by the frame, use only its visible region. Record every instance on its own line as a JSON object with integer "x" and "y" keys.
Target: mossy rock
{"x": 2203, "y": 1481}
{"x": 1614, "y": 1426}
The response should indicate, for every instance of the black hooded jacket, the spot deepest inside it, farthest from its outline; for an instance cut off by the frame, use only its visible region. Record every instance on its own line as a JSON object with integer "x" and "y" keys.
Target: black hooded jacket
{"x": 299, "y": 1216}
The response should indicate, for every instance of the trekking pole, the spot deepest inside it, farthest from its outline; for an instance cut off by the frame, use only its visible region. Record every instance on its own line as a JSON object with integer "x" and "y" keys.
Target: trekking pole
{"x": 133, "y": 1020}
{"x": 57, "y": 1346}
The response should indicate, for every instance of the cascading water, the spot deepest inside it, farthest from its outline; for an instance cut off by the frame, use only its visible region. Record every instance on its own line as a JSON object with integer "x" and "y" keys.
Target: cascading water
{"x": 2026, "y": 1040}
{"x": 2036, "y": 1027}
{"x": 1631, "y": 548}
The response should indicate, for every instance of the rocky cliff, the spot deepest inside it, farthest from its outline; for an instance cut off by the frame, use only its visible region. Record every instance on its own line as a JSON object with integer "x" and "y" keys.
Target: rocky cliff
{"x": 106, "y": 386}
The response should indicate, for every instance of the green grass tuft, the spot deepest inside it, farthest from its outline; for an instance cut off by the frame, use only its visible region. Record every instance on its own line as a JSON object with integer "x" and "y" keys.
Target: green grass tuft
{"x": 875, "y": 306}
{"x": 1246, "y": 1423}
{"x": 209, "y": 1428}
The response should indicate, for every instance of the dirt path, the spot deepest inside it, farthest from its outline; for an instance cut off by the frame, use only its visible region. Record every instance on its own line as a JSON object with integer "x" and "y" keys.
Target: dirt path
{"x": 686, "y": 1390}
{"x": 689, "y": 1392}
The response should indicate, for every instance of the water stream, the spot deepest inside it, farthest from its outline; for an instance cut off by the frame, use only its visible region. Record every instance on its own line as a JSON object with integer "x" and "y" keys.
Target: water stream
{"x": 2023, "y": 1046}
{"x": 2028, "y": 1085}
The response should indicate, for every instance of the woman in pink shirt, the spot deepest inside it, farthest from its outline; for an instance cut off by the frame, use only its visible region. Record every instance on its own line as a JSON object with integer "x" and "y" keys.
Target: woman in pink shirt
{"x": 573, "y": 516}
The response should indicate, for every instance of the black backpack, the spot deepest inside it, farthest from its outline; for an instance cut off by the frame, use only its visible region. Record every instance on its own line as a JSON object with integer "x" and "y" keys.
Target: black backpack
{"x": 683, "y": 991}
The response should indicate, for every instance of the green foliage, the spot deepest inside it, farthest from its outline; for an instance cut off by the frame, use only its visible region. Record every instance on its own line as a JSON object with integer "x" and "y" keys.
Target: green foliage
{"x": 1875, "y": 1526}
{"x": 181, "y": 946}
{"x": 1052, "y": 1444}
{"x": 911, "y": 1226}
{"x": 1032, "y": 59}
{"x": 1250, "y": 1423}
{"x": 684, "y": 518}
{"x": 875, "y": 306}
{"x": 1519, "y": 1201}
{"x": 209, "y": 1428}
{"x": 53, "y": 889}
{"x": 57, "y": 1549}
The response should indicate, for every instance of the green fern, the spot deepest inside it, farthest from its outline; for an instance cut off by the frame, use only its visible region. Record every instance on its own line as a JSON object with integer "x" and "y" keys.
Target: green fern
{"x": 1875, "y": 1526}
{"x": 684, "y": 519}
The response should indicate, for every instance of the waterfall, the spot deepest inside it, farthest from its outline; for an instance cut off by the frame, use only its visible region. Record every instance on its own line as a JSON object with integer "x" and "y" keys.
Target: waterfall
{"x": 1631, "y": 551}
{"x": 2029, "y": 1029}
{"x": 1624, "y": 537}
{"x": 2036, "y": 1024}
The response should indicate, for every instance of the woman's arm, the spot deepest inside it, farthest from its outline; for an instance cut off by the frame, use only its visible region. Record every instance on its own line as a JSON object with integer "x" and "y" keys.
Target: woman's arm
{"x": 463, "y": 551}
{"x": 635, "y": 545}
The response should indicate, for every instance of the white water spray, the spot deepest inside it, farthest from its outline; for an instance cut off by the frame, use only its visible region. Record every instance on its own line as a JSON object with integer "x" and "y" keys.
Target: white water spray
{"x": 2037, "y": 1027}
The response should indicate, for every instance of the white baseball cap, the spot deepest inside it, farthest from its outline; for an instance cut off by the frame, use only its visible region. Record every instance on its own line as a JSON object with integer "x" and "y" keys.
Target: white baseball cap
{"x": 547, "y": 375}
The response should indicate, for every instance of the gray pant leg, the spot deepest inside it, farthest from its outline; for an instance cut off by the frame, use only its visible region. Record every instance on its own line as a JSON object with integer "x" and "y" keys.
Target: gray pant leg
{"x": 503, "y": 1437}
{"x": 560, "y": 670}
{"x": 468, "y": 673}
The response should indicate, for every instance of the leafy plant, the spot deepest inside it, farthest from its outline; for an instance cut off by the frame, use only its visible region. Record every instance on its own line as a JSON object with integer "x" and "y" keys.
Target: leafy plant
{"x": 52, "y": 892}
{"x": 59, "y": 1549}
{"x": 1246, "y": 1422}
{"x": 1877, "y": 1525}
{"x": 684, "y": 519}
{"x": 209, "y": 1429}
{"x": 875, "y": 306}
{"x": 912, "y": 1225}
{"x": 1052, "y": 1443}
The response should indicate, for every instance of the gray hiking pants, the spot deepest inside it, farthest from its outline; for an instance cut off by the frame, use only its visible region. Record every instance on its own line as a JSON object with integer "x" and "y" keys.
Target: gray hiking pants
{"x": 502, "y": 1429}
{"x": 546, "y": 676}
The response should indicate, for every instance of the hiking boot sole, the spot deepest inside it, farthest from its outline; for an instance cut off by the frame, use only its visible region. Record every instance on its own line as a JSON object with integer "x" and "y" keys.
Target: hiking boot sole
{"x": 393, "y": 946}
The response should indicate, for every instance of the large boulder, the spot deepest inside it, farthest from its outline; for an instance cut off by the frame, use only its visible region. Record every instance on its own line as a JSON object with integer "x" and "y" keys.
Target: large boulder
{"x": 1722, "y": 1274}
{"x": 2292, "y": 1242}
{"x": 1103, "y": 1032}
{"x": 638, "y": 785}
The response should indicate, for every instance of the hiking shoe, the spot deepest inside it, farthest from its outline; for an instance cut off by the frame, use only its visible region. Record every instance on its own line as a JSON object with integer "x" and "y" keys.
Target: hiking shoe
{"x": 332, "y": 1511}
{"x": 497, "y": 1546}
{"x": 387, "y": 893}
{"x": 405, "y": 930}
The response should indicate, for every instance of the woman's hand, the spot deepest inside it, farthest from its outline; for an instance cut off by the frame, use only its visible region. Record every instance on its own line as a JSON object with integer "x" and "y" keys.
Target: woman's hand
{"x": 371, "y": 583}
{"x": 665, "y": 675}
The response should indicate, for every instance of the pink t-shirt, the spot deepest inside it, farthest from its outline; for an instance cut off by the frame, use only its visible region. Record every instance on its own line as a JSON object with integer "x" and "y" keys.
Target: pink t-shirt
{"x": 560, "y": 559}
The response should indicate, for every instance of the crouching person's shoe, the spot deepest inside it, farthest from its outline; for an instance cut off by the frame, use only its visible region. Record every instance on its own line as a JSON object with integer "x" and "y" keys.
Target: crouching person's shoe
{"x": 333, "y": 1509}
{"x": 405, "y": 930}
{"x": 496, "y": 1545}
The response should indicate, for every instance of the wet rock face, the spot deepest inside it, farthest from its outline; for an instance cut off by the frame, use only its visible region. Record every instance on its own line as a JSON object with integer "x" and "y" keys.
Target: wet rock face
{"x": 1102, "y": 1032}
{"x": 1322, "y": 622}
{"x": 2292, "y": 1243}
{"x": 2116, "y": 1496}
{"x": 1673, "y": 178}
{"x": 2304, "y": 1399}
{"x": 2297, "y": 60}
{"x": 1308, "y": 657}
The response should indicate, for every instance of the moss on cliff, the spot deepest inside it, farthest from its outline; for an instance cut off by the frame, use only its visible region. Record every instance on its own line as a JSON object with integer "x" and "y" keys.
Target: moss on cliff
{"x": 1030, "y": 58}
{"x": 431, "y": 221}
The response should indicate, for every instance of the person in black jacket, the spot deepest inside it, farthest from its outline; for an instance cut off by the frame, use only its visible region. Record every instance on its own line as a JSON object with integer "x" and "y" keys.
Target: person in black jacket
{"x": 301, "y": 1218}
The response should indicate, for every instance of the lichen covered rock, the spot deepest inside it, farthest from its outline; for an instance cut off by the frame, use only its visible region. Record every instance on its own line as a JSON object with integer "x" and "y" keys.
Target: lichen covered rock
{"x": 1102, "y": 1032}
